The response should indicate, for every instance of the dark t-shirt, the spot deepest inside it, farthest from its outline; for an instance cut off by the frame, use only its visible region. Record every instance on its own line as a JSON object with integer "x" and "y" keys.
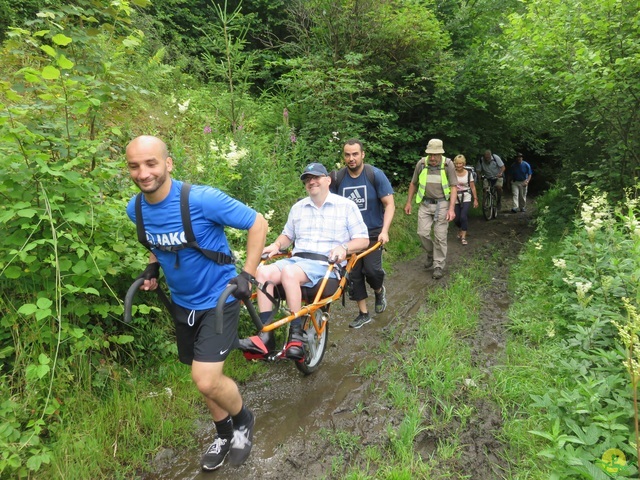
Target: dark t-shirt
{"x": 365, "y": 195}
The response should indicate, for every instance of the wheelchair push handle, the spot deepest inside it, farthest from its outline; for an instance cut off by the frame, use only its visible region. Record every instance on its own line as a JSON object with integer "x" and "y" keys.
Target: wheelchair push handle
{"x": 128, "y": 299}
{"x": 220, "y": 310}
{"x": 131, "y": 293}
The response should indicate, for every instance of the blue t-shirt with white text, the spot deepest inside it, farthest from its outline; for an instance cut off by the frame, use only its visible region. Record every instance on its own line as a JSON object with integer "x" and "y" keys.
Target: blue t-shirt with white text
{"x": 195, "y": 281}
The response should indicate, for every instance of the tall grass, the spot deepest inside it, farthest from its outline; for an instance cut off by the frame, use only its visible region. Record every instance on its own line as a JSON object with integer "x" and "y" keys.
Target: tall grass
{"x": 424, "y": 381}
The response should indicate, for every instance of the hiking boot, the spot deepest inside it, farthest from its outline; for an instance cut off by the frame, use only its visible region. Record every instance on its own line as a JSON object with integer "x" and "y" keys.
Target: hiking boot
{"x": 360, "y": 320}
{"x": 429, "y": 262}
{"x": 293, "y": 349}
{"x": 523, "y": 209}
{"x": 514, "y": 210}
{"x": 214, "y": 457}
{"x": 437, "y": 273}
{"x": 241, "y": 443}
{"x": 381, "y": 300}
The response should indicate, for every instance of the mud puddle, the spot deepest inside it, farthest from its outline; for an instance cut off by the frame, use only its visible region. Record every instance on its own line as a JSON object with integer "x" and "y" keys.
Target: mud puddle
{"x": 290, "y": 408}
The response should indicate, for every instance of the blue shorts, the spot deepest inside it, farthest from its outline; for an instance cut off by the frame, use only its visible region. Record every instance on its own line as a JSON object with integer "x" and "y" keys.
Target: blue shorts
{"x": 314, "y": 269}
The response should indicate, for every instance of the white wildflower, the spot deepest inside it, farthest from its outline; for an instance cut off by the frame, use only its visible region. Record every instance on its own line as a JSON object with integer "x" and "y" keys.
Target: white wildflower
{"x": 582, "y": 288}
{"x": 569, "y": 279}
{"x": 213, "y": 146}
{"x": 183, "y": 107}
{"x": 596, "y": 214}
{"x": 560, "y": 263}
{"x": 269, "y": 215}
{"x": 235, "y": 155}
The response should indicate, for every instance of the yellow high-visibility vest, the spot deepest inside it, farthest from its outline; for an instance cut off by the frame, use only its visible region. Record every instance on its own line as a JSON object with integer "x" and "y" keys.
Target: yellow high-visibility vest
{"x": 422, "y": 181}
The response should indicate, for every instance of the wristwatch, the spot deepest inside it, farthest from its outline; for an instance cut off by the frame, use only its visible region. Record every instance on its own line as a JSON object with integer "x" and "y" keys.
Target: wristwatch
{"x": 346, "y": 249}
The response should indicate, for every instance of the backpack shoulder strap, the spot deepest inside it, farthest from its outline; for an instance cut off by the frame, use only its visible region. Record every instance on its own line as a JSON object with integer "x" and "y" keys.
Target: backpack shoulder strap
{"x": 368, "y": 170}
{"x": 218, "y": 257}
{"x": 336, "y": 178}
{"x": 142, "y": 237}
{"x": 185, "y": 213}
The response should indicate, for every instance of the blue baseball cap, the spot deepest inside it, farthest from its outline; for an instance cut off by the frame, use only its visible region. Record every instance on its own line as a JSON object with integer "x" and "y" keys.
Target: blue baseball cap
{"x": 315, "y": 169}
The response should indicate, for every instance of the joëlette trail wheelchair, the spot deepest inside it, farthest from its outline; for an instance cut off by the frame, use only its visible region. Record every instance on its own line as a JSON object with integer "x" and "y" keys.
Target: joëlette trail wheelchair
{"x": 317, "y": 301}
{"x": 315, "y": 315}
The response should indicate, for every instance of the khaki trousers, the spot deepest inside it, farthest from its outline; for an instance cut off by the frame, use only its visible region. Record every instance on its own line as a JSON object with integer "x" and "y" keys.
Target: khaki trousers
{"x": 519, "y": 193}
{"x": 434, "y": 215}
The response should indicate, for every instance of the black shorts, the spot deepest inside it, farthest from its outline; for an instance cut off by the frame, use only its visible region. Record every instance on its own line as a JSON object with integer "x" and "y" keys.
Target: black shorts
{"x": 196, "y": 333}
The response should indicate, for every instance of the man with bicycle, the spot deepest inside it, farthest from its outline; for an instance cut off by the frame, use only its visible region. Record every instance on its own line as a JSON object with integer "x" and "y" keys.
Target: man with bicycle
{"x": 196, "y": 282}
{"x": 492, "y": 168}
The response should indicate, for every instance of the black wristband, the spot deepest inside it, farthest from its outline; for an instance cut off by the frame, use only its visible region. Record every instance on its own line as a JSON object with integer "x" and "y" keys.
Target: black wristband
{"x": 152, "y": 271}
{"x": 246, "y": 275}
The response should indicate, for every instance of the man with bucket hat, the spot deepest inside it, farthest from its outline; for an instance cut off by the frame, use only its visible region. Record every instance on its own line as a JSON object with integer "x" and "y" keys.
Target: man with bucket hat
{"x": 434, "y": 185}
{"x": 321, "y": 226}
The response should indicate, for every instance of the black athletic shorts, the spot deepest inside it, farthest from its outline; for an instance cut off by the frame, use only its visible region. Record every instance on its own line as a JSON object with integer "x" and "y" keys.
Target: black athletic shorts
{"x": 196, "y": 333}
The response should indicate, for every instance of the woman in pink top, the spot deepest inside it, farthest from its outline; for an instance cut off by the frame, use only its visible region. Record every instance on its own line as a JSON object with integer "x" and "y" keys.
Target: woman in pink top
{"x": 466, "y": 193}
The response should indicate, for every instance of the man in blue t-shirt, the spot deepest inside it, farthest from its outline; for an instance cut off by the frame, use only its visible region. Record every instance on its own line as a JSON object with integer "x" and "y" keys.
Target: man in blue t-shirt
{"x": 374, "y": 196}
{"x": 520, "y": 177}
{"x": 196, "y": 282}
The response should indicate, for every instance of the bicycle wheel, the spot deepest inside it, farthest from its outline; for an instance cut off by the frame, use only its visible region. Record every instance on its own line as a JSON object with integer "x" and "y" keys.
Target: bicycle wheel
{"x": 487, "y": 205}
{"x": 315, "y": 345}
{"x": 494, "y": 204}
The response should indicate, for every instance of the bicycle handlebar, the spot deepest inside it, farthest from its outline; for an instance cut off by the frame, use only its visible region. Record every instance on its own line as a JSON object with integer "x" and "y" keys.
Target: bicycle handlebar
{"x": 220, "y": 309}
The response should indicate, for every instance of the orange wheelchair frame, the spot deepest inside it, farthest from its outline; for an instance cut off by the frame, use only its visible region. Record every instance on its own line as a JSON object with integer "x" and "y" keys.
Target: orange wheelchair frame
{"x": 315, "y": 315}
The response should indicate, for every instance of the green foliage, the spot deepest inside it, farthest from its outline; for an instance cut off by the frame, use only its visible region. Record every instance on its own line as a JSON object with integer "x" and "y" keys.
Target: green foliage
{"x": 236, "y": 66}
{"x": 572, "y": 70}
{"x": 379, "y": 86}
{"x": 78, "y": 81}
{"x": 62, "y": 213}
{"x": 590, "y": 278}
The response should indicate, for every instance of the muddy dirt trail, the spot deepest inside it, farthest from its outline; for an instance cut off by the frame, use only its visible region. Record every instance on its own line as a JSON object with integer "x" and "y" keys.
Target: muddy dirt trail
{"x": 291, "y": 408}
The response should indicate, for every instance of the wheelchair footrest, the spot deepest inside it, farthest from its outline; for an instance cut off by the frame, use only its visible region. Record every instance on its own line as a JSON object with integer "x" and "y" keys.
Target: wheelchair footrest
{"x": 294, "y": 351}
{"x": 253, "y": 348}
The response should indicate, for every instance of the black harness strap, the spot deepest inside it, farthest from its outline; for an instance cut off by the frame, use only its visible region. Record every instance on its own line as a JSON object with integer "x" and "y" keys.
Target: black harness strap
{"x": 311, "y": 256}
{"x": 218, "y": 257}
